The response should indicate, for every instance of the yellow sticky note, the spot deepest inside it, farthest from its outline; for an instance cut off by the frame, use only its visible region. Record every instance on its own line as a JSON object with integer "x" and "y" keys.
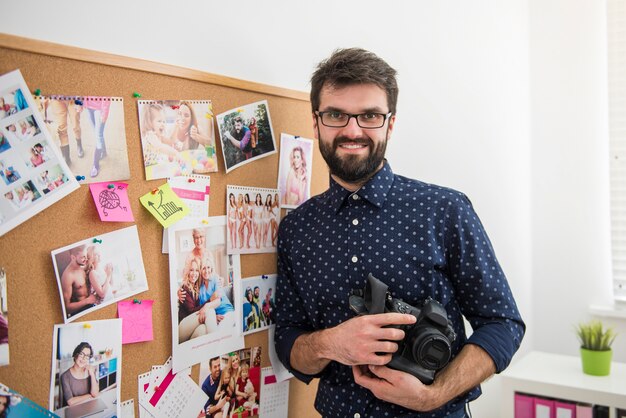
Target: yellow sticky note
{"x": 165, "y": 205}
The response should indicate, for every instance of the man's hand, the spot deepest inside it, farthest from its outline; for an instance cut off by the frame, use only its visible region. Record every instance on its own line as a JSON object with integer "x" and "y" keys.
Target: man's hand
{"x": 181, "y": 294}
{"x": 396, "y": 387}
{"x": 201, "y": 316}
{"x": 361, "y": 340}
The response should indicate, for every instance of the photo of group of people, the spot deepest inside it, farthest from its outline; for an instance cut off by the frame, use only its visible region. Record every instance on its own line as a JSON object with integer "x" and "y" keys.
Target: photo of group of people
{"x": 246, "y": 134}
{"x": 99, "y": 271}
{"x": 253, "y": 216}
{"x": 95, "y": 146}
{"x": 258, "y": 303}
{"x": 204, "y": 292}
{"x": 233, "y": 383}
{"x": 86, "y": 368}
{"x": 177, "y": 137}
{"x": 26, "y": 155}
{"x": 295, "y": 170}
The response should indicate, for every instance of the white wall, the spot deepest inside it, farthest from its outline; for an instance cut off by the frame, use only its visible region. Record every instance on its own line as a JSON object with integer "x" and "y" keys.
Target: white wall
{"x": 502, "y": 100}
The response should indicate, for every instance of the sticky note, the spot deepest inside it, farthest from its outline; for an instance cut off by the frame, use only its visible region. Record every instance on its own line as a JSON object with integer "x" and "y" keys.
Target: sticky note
{"x": 136, "y": 321}
{"x": 165, "y": 205}
{"x": 112, "y": 202}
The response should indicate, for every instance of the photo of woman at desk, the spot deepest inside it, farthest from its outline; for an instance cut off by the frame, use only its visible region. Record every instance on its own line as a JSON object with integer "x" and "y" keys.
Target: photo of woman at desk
{"x": 86, "y": 369}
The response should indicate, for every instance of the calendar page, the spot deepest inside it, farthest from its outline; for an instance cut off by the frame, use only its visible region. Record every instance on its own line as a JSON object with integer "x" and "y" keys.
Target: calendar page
{"x": 275, "y": 399}
{"x": 173, "y": 395}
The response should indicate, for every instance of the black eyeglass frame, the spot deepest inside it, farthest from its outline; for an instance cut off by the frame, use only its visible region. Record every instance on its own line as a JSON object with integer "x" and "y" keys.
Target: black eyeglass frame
{"x": 355, "y": 116}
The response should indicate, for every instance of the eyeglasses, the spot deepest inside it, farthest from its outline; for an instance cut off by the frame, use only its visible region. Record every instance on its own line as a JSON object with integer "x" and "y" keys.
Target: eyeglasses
{"x": 369, "y": 120}
{"x": 85, "y": 356}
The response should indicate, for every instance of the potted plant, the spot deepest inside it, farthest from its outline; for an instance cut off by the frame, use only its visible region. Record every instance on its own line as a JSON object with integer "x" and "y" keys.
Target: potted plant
{"x": 595, "y": 347}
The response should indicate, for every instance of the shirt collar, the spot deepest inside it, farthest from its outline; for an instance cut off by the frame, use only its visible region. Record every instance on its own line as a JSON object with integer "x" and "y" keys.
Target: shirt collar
{"x": 374, "y": 191}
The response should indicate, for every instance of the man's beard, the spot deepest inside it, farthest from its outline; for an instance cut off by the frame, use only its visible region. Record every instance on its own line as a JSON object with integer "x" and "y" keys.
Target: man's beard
{"x": 353, "y": 168}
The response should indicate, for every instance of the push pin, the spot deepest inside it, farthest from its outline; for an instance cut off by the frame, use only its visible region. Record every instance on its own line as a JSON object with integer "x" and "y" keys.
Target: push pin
{"x": 137, "y": 301}
{"x": 111, "y": 186}
{"x": 154, "y": 191}
{"x": 97, "y": 241}
{"x": 208, "y": 115}
{"x": 37, "y": 92}
{"x": 175, "y": 107}
{"x": 191, "y": 180}
{"x": 87, "y": 325}
{"x": 265, "y": 276}
{"x": 80, "y": 178}
{"x": 204, "y": 221}
{"x": 136, "y": 94}
{"x": 78, "y": 102}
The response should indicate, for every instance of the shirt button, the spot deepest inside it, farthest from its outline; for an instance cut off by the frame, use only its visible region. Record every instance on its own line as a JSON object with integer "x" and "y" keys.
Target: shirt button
{"x": 355, "y": 258}
{"x": 355, "y": 222}
{"x": 357, "y": 415}
{"x": 355, "y": 197}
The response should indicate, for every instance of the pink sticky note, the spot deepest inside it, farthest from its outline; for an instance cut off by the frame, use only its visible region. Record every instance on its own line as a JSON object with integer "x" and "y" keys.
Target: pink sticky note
{"x": 111, "y": 199}
{"x": 136, "y": 321}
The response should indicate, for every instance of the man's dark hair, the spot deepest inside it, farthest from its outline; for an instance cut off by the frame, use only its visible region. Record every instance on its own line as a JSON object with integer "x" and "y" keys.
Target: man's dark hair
{"x": 350, "y": 66}
{"x": 212, "y": 360}
{"x": 237, "y": 119}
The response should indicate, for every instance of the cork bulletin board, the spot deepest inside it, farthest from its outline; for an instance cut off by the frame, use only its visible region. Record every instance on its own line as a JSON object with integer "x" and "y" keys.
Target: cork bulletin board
{"x": 33, "y": 296}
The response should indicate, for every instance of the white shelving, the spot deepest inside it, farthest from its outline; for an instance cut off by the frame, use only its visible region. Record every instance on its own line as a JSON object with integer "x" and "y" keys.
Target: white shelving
{"x": 560, "y": 376}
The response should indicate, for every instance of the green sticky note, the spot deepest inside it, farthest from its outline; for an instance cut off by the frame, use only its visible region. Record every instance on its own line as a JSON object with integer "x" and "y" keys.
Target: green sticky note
{"x": 165, "y": 205}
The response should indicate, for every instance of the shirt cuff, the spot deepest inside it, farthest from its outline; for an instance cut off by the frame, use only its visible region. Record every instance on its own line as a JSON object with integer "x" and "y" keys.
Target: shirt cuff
{"x": 284, "y": 342}
{"x": 498, "y": 342}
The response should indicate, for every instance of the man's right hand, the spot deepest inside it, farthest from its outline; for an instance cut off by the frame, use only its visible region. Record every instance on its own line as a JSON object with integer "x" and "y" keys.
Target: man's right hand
{"x": 361, "y": 340}
{"x": 181, "y": 294}
{"x": 91, "y": 299}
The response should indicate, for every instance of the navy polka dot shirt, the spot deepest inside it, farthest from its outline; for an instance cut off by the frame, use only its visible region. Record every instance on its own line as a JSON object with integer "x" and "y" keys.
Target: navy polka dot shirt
{"x": 421, "y": 240}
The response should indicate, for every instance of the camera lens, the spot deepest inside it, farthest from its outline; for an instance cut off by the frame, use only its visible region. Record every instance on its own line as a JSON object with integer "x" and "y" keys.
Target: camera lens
{"x": 430, "y": 349}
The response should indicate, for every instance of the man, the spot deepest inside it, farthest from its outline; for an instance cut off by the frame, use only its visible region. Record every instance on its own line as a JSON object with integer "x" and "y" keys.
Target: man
{"x": 76, "y": 294}
{"x": 213, "y": 407}
{"x": 240, "y": 137}
{"x": 421, "y": 240}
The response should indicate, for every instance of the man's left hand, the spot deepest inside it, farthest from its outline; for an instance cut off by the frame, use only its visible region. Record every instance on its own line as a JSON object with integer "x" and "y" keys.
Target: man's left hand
{"x": 396, "y": 387}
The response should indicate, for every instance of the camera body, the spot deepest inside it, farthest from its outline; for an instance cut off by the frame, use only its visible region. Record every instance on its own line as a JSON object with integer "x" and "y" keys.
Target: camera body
{"x": 427, "y": 344}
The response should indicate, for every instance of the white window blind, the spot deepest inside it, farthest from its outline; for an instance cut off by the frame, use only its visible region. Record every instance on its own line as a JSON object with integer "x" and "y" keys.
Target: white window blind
{"x": 616, "y": 27}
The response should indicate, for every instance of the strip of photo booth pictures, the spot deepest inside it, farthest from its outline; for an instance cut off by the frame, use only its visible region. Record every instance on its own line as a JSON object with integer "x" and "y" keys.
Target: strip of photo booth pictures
{"x": 294, "y": 170}
{"x": 86, "y": 368}
{"x": 204, "y": 291}
{"x": 235, "y": 375}
{"x": 177, "y": 137}
{"x": 26, "y": 156}
{"x": 99, "y": 271}
{"x": 16, "y": 405}
{"x": 90, "y": 133}
{"x": 253, "y": 215}
{"x": 4, "y": 322}
{"x": 258, "y": 304}
{"x": 246, "y": 134}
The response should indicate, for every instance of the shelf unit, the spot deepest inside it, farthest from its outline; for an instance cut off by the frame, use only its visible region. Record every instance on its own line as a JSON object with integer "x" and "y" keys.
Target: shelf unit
{"x": 561, "y": 377}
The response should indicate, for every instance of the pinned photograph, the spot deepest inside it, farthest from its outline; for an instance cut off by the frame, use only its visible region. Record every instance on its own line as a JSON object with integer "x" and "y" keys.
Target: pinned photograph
{"x": 99, "y": 271}
{"x": 204, "y": 292}
{"x": 232, "y": 382}
{"x": 253, "y": 216}
{"x": 246, "y": 134}
{"x": 16, "y": 405}
{"x": 4, "y": 320}
{"x": 86, "y": 369}
{"x": 295, "y": 170}
{"x": 26, "y": 152}
{"x": 90, "y": 133}
{"x": 177, "y": 137}
{"x": 258, "y": 303}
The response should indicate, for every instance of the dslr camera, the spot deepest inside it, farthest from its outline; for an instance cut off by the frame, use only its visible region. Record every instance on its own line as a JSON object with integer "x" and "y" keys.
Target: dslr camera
{"x": 427, "y": 344}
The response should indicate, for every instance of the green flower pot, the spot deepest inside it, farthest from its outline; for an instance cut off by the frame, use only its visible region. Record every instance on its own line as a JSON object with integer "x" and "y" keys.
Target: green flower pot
{"x": 596, "y": 363}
